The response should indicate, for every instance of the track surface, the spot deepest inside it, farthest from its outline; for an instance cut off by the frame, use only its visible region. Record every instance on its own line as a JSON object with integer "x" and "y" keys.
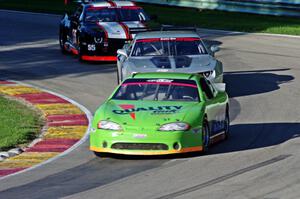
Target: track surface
{"x": 260, "y": 160}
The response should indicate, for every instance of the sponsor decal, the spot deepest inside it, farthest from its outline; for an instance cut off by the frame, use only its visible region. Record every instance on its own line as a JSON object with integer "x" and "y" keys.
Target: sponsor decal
{"x": 139, "y": 136}
{"x": 116, "y": 134}
{"x": 127, "y": 107}
{"x": 131, "y": 110}
{"x": 218, "y": 126}
{"x": 160, "y": 80}
{"x": 192, "y": 39}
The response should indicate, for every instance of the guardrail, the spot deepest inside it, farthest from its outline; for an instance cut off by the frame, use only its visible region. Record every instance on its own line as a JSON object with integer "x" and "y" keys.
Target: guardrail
{"x": 267, "y": 7}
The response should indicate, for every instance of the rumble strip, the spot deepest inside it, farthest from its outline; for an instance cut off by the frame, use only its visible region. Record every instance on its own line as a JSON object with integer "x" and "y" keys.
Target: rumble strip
{"x": 65, "y": 125}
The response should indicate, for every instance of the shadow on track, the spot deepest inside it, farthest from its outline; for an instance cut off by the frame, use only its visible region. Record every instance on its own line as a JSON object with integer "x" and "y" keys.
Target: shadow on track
{"x": 99, "y": 171}
{"x": 95, "y": 173}
{"x": 254, "y": 82}
{"x": 242, "y": 137}
{"x": 33, "y": 65}
{"x": 253, "y": 136}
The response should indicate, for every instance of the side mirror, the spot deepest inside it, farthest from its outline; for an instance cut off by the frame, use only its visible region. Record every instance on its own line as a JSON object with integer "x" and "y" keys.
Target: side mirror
{"x": 122, "y": 52}
{"x": 214, "y": 48}
{"x": 220, "y": 87}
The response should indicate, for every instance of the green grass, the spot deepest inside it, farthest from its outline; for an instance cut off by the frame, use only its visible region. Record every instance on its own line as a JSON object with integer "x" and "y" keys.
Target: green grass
{"x": 19, "y": 124}
{"x": 182, "y": 16}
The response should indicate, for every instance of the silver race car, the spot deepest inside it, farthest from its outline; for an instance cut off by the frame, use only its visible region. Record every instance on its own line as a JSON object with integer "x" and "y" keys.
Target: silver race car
{"x": 169, "y": 51}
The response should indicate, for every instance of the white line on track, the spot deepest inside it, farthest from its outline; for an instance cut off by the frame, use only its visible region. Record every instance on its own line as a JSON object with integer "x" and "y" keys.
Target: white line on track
{"x": 32, "y": 13}
{"x": 83, "y": 139}
{"x": 26, "y": 45}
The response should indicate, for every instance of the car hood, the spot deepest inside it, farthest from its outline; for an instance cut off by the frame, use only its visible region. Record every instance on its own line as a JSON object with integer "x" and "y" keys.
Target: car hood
{"x": 149, "y": 114}
{"x": 115, "y": 30}
{"x": 185, "y": 64}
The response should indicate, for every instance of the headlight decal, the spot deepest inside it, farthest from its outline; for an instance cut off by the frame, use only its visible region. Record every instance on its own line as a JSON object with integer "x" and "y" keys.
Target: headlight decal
{"x": 108, "y": 125}
{"x": 175, "y": 126}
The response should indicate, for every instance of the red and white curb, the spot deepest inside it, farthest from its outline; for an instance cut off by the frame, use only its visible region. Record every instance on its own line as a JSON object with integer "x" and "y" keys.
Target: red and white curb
{"x": 67, "y": 126}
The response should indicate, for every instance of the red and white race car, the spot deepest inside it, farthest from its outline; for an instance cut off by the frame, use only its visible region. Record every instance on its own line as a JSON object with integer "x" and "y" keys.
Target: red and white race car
{"x": 96, "y": 30}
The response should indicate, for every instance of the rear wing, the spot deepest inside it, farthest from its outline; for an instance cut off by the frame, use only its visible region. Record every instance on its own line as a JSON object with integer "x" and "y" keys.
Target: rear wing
{"x": 83, "y": 1}
{"x": 165, "y": 27}
{"x": 135, "y": 31}
{"x": 87, "y": 1}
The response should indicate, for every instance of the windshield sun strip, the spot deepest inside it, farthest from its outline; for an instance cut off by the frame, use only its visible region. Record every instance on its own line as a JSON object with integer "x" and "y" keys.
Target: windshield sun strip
{"x": 168, "y": 39}
{"x": 160, "y": 83}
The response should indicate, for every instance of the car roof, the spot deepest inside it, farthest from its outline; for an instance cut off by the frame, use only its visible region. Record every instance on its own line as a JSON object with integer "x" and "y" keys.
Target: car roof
{"x": 112, "y": 3}
{"x": 166, "y": 75}
{"x": 166, "y": 34}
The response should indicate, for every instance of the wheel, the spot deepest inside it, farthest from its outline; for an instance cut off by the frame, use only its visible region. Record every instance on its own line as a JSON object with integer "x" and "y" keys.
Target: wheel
{"x": 100, "y": 155}
{"x": 205, "y": 136}
{"x": 119, "y": 78}
{"x": 80, "y": 53}
{"x": 62, "y": 41}
{"x": 226, "y": 123}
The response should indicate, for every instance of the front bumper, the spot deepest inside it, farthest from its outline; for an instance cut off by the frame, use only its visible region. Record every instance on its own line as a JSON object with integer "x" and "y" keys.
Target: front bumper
{"x": 106, "y": 51}
{"x": 156, "y": 143}
{"x": 131, "y": 152}
{"x": 98, "y": 58}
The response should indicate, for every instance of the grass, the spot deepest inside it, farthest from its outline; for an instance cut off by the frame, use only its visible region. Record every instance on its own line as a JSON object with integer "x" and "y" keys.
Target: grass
{"x": 19, "y": 124}
{"x": 182, "y": 16}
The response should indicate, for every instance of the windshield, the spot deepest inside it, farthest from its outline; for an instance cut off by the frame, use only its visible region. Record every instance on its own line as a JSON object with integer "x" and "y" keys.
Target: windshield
{"x": 158, "y": 90}
{"x": 131, "y": 13}
{"x": 105, "y": 14}
{"x": 168, "y": 47}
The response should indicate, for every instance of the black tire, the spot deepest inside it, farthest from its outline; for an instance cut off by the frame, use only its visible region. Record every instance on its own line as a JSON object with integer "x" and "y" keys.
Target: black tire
{"x": 205, "y": 136}
{"x": 118, "y": 78}
{"x": 80, "y": 53}
{"x": 99, "y": 154}
{"x": 62, "y": 41}
{"x": 227, "y": 123}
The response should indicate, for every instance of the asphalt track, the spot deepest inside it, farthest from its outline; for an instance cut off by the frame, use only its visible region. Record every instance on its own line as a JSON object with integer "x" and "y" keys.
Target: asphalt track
{"x": 260, "y": 160}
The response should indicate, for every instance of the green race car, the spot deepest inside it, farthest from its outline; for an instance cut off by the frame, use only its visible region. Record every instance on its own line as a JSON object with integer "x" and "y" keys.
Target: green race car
{"x": 161, "y": 113}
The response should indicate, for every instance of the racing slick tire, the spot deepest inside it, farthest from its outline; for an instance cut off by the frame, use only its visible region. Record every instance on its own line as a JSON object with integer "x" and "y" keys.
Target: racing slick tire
{"x": 102, "y": 155}
{"x": 226, "y": 123}
{"x": 118, "y": 76}
{"x": 62, "y": 41}
{"x": 205, "y": 136}
{"x": 80, "y": 53}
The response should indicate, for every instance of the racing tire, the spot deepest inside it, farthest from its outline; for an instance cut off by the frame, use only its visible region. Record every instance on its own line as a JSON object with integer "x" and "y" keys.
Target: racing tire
{"x": 80, "y": 53}
{"x": 62, "y": 42}
{"x": 226, "y": 124}
{"x": 119, "y": 76}
{"x": 205, "y": 136}
{"x": 99, "y": 154}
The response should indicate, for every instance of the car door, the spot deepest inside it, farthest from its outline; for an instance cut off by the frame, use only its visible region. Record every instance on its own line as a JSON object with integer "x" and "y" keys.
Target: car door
{"x": 215, "y": 107}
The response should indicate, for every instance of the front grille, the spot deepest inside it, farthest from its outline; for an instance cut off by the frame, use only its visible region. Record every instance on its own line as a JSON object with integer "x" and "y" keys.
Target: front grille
{"x": 140, "y": 146}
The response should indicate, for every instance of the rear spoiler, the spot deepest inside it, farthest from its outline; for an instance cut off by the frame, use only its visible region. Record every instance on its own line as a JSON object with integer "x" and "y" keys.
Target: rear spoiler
{"x": 138, "y": 30}
{"x": 87, "y": 1}
{"x": 165, "y": 27}
{"x": 83, "y": 1}
{"x": 162, "y": 28}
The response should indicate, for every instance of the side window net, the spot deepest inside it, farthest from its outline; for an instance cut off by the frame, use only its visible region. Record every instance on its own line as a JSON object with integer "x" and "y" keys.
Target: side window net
{"x": 206, "y": 88}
